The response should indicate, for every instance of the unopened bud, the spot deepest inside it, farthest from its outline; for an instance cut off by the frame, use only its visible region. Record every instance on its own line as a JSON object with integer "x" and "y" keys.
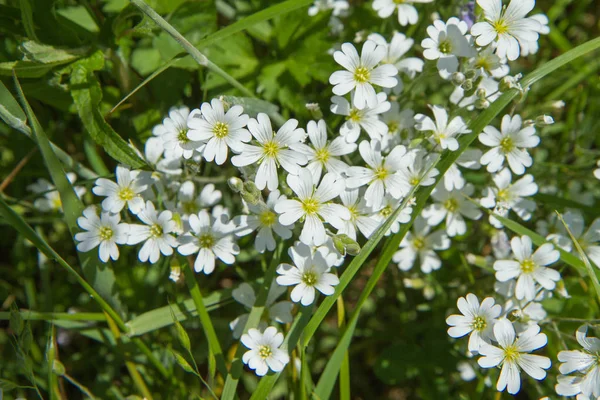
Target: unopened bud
{"x": 235, "y": 184}
{"x": 250, "y": 193}
{"x": 470, "y": 74}
{"x": 543, "y": 120}
{"x": 315, "y": 110}
{"x": 467, "y": 85}
{"x": 344, "y": 244}
{"x": 481, "y": 104}
{"x": 458, "y": 78}
{"x": 515, "y": 315}
{"x": 481, "y": 93}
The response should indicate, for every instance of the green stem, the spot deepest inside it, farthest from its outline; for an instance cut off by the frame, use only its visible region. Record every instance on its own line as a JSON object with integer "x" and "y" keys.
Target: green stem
{"x": 200, "y": 58}
{"x": 207, "y": 325}
{"x": 29, "y": 315}
{"x": 79, "y": 386}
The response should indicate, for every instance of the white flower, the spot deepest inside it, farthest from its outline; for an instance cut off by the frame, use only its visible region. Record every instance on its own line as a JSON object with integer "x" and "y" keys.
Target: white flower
{"x": 211, "y": 237}
{"x": 400, "y": 126}
{"x": 510, "y": 196}
{"x": 106, "y": 232}
{"x": 380, "y": 174}
{"x": 447, "y": 42}
{"x": 421, "y": 243}
{"x": 277, "y": 312}
{"x": 478, "y": 320}
{"x": 219, "y": 130}
{"x": 153, "y": 152}
{"x": 388, "y": 207}
{"x": 510, "y": 144}
{"x": 597, "y": 170}
{"x": 452, "y": 206}
{"x": 322, "y": 155}
{"x": 313, "y": 203}
{"x": 488, "y": 64}
{"x": 512, "y": 355}
{"x": 529, "y": 268}
{"x": 396, "y": 49}
{"x": 125, "y": 192}
{"x": 588, "y": 240}
{"x": 188, "y": 202}
{"x": 361, "y": 216}
{"x": 264, "y": 353}
{"x": 361, "y": 73}
{"x": 453, "y": 178}
{"x": 339, "y": 7}
{"x": 50, "y": 198}
{"x": 585, "y": 362}
{"x": 309, "y": 273}
{"x": 264, "y": 220}
{"x": 407, "y": 13}
{"x": 173, "y": 133}
{"x": 272, "y": 150}
{"x": 489, "y": 85}
{"x": 417, "y": 169}
{"x": 367, "y": 118}
{"x": 442, "y": 132}
{"x": 507, "y": 27}
{"x": 155, "y": 233}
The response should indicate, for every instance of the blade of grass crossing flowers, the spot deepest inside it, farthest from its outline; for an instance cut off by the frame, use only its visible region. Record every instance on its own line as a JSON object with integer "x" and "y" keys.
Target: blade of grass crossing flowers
{"x": 207, "y": 325}
{"x": 447, "y": 160}
{"x": 101, "y": 276}
{"x": 345, "y": 368}
{"x": 254, "y": 317}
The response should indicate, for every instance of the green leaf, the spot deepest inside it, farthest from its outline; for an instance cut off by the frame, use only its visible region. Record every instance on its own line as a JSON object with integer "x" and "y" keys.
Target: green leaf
{"x": 182, "y": 335}
{"x": 25, "y": 69}
{"x": 7, "y": 386}
{"x": 27, "y": 16}
{"x": 87, "y": 95}
{"x": 16, "y": 321}
{"x": 44, "y": 54}
{"x": 183, "y": 362}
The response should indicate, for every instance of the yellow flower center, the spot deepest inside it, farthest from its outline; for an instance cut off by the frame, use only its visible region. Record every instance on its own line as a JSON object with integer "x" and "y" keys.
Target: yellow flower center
{"x": 310, "y": 206}
{"x": 271, "y": 149}
{"x": 221, "y": 130}
{"x": 399, "y": 1}
{"x": 451, "y": 205}
{"x": 528, "y": 266}
{"x": 126, "y": 194}
{"x": 483, "y": 62}
{"x": 354, "y": 115}
{"x": 500, "y": 26}
{"x": 414, "y": 181}
{"x": 206, "y": 240}
{"x": 393, "y": 126}
{"x": 353, "y": 212}
{"x": 309, "y": 278}
{"x": 106, "y": 233}
{"x": 503, "y": 195}
{"x": 267, "y": 218}
{"x": 189, "y": 207}
{"x": 265, "y": 352}
{"x": 156, "y": 231}
{"x": 419, "y": 243}
{"x": 507, "y": 144}
{"x": 479, "y": 323}
{"x": 381, "y": 173}
{"x": 56, "y": 203}
{"x": 445, "y": 46}
{"x": 362, "y": 74}
{"x": 182, "y": 136}
{"x": 323, "y": 155}
{"x": 511, "y": 353}
{"x": 386, "y": 211}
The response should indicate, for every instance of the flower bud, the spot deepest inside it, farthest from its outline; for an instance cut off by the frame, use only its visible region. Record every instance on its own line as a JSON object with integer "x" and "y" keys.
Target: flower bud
{"x": 235, "y": 184}
{"x": 481, "y": 93}
{"x": 481, "y": 104}
{"x": 344, "y": 244}
{"x": 458, "y": 78}
{"x": 467, "y": 85}
{"x": 250, "y": 193}
{"x": 543, "y": 120}
{"x": 315, "y": 110}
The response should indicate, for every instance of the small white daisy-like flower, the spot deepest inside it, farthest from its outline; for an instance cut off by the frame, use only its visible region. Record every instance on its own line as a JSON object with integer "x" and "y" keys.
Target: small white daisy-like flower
{"x": 312, "y": 204}
{"x": 442, "y": 132}
{"x": 264, "y": 219}
{"x": 447, "y": 42}
{"x": 508, "y": 144}
{"x": 362, "y": 73}
{"x": 211, "y": 238}
{"x": 532, "y": 47}
{"x": 506, "y": 27}
{"x": 453, "y": 178}
{"x": 220, "y": 130}
{"x": 174, "y": 133}
{"x": 528, "y": 268}
{"x": 126, "y": 191}
{"x": 585, "y": 362}
{"x": 155, "y": 233}
{"x": 50, "y": 198}
{"x": 380, "y": 174}
{"x": 190, "y": 202}
{"x": 362, "y": 217}
{"x": 452, "y": 206}
{"x": 338, "y": 7}
{"x": 388, "y": 207}
{"x": 417, "y": 169}
{"x": 488, "y": 64}
{"x": 323, "y": 155}
{"x": 597, "y": 170}
{"x": 264, "y": 353}
{"x": 587, "y": 239}
{"x": 477, "y": 319}
{"x": 272, "y": 150}
{"x": 512, "y": 355}
{"x": 407, "y": 13}
{"x": 105, "y": 232}
{"x": 421, "y": 243}
{"x": 400, "y": 124}
{"x": 510, "y": 196}
{"x": 280, "y": 312}
{"x": 367, "y": 118}
{"x": 308, "y": 274}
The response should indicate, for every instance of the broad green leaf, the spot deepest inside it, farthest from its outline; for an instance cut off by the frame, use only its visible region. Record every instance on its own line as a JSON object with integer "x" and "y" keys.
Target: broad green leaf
{"x": 44, "y": 54}
{"x": 26, "y": 69}
{"x": 87, "y": 95}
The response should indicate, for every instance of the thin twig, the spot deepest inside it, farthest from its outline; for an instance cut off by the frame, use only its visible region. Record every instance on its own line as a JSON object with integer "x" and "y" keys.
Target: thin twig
{"x": 16, "y": 170}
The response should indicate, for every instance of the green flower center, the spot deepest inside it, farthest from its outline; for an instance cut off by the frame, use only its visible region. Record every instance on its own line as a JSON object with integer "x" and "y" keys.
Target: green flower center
{"x": 106, "y": 233}
{"x": 479, "y": 323}
{"x": 265, "y": 352}
{"x": 362, "y": 74}
{"x": 386, "y": 211}
{"x": 354, "y": 115}
{"x": 414, "y": 181}
{"x": 528, "y": 266}
{"x": 126, "y": 194}
{"x": 483, "y": 62}
{"x": 451, "y": 205}
{"x": 309, "y": 278}
{"x": 323, "y": 155}
{"x": 445, "y": 46}
{"x": 271, "y": 149}
{"x": 156, "y": 231}
{"x": 206, "y": 240}
{"x": 267, "y": 218}
{"x": 507, "y": 144}
{"x": 182, "y": 136}
{"x": 221, "y": 130}
{"x": 310, "y": 206}
{"x": 393, "y": 126}
{"x": 190, "y": 207}
{"x": 419, "y": 242}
